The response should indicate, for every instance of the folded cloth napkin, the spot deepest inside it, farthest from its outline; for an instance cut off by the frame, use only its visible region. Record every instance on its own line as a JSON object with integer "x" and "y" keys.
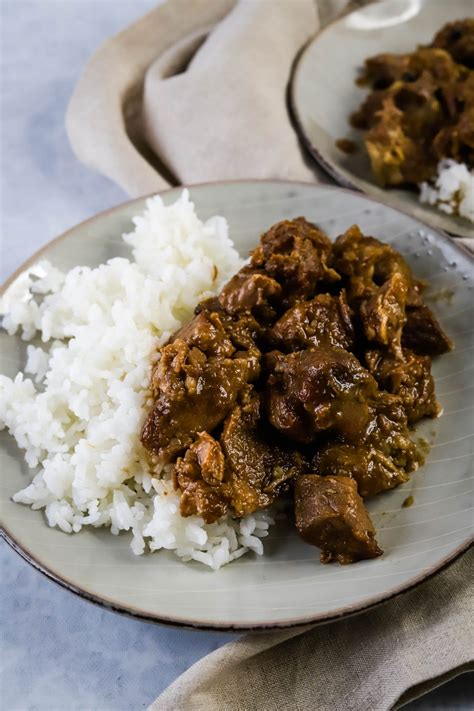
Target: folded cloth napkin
{"x": 378, "y": 660}
{"x": 135, "y": 104}
{"x": 146, "y": 116}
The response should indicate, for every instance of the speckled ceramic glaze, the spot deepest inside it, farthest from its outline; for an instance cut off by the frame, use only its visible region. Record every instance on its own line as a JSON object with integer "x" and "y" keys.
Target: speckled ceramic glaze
{"x": 324, "y": 92}
{"x": 287, "y": 585}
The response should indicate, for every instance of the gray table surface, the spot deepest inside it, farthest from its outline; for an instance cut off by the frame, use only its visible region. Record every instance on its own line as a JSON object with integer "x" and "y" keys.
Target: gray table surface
{"x": 58, "y": 651}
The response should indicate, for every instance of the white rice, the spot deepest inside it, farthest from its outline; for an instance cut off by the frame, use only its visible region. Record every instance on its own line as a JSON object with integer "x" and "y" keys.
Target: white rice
{"x": 452, "y": 191}
{"x": 79, "y": 415}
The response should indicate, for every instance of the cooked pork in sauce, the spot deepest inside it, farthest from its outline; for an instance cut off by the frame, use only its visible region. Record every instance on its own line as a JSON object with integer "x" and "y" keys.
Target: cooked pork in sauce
{"x": 301, "y": 378}
{"x": 421, "y": 107}
{"x": 330, "y": 514}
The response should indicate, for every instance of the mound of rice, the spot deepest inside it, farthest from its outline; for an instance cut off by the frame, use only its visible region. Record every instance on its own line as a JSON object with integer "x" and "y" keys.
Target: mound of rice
{"x": 79, "y": 414}
{"x": 452, "y": 191}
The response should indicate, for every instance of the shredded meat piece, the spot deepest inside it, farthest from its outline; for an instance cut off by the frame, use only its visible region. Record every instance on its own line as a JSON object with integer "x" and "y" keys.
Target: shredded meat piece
{"x": 388, "y": 432}
{"x": 383, "y": 314}
{"x": 330, "y": 514}
{"x": 365, "y": 264}
{"x": 259, "y": 467}
{"x": 396, "y": 158}
{"x": 382, "y": 290}
{"x": 295, "y": 253}
{"x": 323, "y": 320}
{"x": 205, "y": 332}
{"x": 410, "y": 378}
{"x": 195, "y": 384}
{"x": 194, "y": 392}
{"x": 250, "y": 290}
{"x": 199, "y": 474}
{"x": 243, "y": 472}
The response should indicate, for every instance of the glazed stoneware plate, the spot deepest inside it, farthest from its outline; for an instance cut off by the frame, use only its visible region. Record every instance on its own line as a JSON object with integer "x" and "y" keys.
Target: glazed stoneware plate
{"x": 324, "y": 93}
{"x": 287, "y": 585}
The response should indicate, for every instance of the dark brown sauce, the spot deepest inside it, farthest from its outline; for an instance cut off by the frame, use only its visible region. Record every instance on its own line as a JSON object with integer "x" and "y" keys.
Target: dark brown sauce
{"x": 409, "y": 501}
{"x": 362, "y": 81}
{"x": 424, "y": 446}
{"x": 346, "y": 145}
{"x": 446, "y": 295}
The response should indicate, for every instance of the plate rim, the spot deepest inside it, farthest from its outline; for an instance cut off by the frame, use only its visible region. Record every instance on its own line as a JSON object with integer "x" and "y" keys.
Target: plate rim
{"x": 318, "y": 156}
{"x": 181, "y": 622}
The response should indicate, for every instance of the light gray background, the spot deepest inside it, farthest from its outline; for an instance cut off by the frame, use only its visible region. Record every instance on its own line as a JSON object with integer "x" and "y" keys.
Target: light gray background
{"x": 59, "y": 652}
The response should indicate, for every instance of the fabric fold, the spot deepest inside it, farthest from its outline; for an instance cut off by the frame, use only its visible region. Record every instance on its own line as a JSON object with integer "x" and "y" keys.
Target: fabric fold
{"x": 152, "y": 107}
{"x": 396, "y": 651}
{"x": 105, "y": 110}
{"x": 186, "y": 117}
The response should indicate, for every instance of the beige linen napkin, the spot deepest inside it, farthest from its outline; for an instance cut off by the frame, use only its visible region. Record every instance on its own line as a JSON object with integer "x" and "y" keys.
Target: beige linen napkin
{"x": 375, "y": 661}
{"x": 151, "y": 110}
{"x": 135, "y": 102}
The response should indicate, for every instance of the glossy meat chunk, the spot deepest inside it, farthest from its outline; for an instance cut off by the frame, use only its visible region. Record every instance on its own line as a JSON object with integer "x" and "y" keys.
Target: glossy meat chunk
{"x": 457, "y": 139}
{"x": 295, "y": 253}
{"x": 330, "y": 514}
{"x": 195, "y": 384}
{"x": 405, "y": 117}
{"x": 383, "y": 314}
{"x": 403, "y": 131}
{"x": 382, "y": 457}
{"x": 365, "y": 264}
{"x": 241, "y": 330}
{"x": 385, "y": 72}
{"x": 199, "y": 475}
{"x": 388, "y": 432}
{"x": 205, "y": 331}
{"x": 381, "y": 70}
{"x": 423, "y": 334}
{"x": 373, "y": 470}
{"x": 258, "y": 467}
{"x": 242, "y": 472}
{"x": 366, "y": 115}
{"x": 250, "y": 290}
{"x": 396, "y": 158}
{"x": 319, "y": 390}
{"x": 323, "y": 320}
{"x": 410, "y": 378}
{"x": 195, "y": 393}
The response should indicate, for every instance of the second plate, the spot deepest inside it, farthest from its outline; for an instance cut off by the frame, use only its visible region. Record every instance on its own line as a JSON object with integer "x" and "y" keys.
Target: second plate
{"x": 324, "y": 92}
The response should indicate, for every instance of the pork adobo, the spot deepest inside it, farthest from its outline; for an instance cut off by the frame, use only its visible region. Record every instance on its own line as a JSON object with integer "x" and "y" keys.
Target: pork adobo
{"x": 301, "y": 379}
{"x": 421, "y": 107}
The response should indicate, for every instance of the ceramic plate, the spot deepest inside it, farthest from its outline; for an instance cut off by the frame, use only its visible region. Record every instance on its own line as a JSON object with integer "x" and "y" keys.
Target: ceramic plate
{"x": 287, "y": 585}
{"x": 324, "y": 92}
